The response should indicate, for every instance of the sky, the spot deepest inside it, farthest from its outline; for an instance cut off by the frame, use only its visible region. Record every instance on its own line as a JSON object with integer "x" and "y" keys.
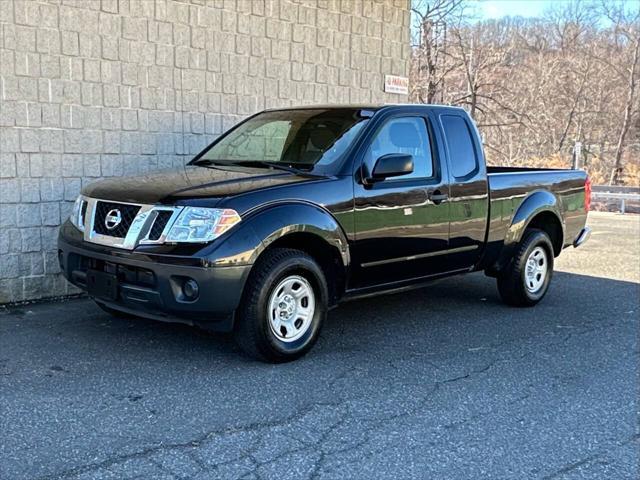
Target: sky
{"x": 512, "y": 8}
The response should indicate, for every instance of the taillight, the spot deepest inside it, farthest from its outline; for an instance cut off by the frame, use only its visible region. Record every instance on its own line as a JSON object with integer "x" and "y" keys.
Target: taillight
{"x": 587, "y": 195}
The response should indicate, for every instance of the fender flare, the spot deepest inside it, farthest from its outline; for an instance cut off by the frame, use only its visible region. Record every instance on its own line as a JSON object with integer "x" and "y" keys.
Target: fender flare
{"x": 538, "y": 202}
{"x": 259, "y": 229}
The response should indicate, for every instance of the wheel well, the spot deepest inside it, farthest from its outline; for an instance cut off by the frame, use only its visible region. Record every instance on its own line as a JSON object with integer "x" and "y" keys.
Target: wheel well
{"x": 327, "y": 256}
{"x": 549, "y": 223}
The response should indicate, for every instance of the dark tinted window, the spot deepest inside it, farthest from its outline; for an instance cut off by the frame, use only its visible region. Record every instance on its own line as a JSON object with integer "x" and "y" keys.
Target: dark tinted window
{"x": 404, "y": 135}
{"x": 303, "y": 138}
{"x": 459, "y": 141}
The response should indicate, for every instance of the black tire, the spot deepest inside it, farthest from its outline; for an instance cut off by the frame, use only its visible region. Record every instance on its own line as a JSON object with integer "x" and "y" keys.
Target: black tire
{"x": 252, "y": 331}
{"x": 113, "y": 312}
{"x": 512, "y": 280}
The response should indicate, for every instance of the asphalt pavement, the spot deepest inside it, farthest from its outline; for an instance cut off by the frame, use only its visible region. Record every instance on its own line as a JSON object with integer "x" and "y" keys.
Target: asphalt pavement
{"x": 443, "y": 382}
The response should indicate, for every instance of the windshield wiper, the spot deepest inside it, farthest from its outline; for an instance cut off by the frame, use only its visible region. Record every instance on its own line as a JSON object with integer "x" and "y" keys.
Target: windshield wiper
{"x": 274, "y": 165}
{"x": 206, "y": 161}
{"x": 259, "y": 164}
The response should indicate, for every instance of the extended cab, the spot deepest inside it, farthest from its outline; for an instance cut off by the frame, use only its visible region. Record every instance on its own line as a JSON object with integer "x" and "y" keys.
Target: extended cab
{"x": 295, "y": 210}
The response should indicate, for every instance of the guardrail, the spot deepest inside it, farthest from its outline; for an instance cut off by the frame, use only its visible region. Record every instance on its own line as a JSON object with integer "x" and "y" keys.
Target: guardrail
{"x": 615, "y": 189}
{"x": 610, "y": 192}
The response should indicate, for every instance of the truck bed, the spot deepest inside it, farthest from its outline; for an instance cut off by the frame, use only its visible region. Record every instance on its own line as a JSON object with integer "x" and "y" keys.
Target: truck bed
{"x": 501, "y": 169}
{"x": 509, "y": 186}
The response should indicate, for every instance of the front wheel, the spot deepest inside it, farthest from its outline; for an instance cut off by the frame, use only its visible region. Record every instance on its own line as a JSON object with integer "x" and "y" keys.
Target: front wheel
{"x": 283, "y": 307}
{"x": 526, "y": 280}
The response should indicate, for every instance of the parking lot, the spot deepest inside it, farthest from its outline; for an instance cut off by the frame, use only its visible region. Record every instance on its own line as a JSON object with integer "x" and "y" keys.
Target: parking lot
{"x": 444, "y": 382}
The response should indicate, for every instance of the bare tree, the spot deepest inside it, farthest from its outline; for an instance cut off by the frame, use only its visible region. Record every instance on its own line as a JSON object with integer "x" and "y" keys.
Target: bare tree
{"x": 626, "y": 31}
{"x": 537, "y": 86}
{"x": 484, "y": 51}
{"x": 432, "y": 18}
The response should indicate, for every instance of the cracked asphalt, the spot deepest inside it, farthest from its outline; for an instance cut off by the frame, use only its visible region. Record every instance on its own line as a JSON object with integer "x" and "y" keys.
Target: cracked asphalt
{"x": 444, "y": 382}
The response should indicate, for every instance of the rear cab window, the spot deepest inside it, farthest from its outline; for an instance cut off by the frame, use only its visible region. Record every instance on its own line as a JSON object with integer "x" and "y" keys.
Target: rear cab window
{"x": 462, "y": 153}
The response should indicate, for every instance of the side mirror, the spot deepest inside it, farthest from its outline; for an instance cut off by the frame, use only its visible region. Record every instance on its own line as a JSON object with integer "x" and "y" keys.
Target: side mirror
{"x": 391, "y": 165}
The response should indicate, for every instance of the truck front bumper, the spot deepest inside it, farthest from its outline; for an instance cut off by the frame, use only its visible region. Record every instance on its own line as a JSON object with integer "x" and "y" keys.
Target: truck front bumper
{"x": 152, "y": 286}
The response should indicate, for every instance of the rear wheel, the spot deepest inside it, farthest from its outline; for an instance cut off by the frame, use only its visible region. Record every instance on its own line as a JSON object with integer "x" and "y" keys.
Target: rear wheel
{"x": 526, "y": 280}
{"x": 283, "y": 306}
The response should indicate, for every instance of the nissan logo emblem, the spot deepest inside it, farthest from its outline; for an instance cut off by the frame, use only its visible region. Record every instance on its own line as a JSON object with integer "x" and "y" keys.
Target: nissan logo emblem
{"x": 113, "y": 219}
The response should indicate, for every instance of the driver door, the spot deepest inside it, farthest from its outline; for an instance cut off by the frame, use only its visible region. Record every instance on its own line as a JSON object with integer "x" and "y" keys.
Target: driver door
{"x": 400, "y": 232}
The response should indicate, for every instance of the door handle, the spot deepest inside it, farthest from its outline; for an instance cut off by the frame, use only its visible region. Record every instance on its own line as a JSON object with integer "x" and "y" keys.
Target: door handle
{"x": 437, "y": 197}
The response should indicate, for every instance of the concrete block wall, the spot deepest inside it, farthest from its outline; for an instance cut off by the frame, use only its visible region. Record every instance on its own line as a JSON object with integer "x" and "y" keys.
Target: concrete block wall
{"x": 102, "y": 88}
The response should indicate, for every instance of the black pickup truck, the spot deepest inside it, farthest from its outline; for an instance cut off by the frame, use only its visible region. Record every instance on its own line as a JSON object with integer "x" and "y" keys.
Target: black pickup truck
{"x": 295, "y": 210}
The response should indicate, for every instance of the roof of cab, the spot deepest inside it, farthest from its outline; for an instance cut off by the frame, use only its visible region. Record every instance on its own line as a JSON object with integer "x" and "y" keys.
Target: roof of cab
{"x": 371, "y": 106}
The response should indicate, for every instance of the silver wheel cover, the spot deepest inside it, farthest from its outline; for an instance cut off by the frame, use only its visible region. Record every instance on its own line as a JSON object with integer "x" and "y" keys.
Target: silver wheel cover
{"x": 291, "y": 308}
{"x": 536, "y": 270}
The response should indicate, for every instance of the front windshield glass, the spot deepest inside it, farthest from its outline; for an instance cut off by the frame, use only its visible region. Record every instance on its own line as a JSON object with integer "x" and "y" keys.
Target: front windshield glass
{"x": 295, "y": 138}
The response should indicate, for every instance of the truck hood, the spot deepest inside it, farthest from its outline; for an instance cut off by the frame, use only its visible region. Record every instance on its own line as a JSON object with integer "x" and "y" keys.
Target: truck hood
{"x": 189, "y": 182}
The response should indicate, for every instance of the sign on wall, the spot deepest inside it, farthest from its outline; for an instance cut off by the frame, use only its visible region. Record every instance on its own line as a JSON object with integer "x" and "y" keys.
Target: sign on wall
{"x": 396, "y": 84}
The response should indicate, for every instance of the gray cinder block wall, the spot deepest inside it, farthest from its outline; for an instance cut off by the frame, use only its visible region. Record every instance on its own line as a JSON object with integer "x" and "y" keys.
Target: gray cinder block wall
{"x": 101, "y": 88}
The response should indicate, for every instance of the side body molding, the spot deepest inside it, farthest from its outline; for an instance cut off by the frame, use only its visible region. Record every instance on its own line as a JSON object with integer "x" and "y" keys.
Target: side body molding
{"x": 263, "y": 227}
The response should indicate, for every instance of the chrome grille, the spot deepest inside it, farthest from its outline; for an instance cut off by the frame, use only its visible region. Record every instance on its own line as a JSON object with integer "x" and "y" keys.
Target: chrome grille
{"x": 139, "y": 224}
{"x": 159, "y": 224}
{"x": 83, "y": 213}
{"x": 128, "y": 213}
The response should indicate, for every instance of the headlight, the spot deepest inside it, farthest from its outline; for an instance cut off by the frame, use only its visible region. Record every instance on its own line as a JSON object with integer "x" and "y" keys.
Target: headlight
{"x": 197, "y": 224}
{"x": 77, "y": 214}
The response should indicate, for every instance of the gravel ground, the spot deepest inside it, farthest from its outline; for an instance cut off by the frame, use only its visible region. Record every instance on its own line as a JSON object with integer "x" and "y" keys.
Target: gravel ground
{"x": 444, "y": 382}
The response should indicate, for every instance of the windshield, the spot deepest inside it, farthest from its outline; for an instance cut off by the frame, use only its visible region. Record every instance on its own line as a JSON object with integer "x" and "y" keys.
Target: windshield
{"x": 297, "y": 138}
